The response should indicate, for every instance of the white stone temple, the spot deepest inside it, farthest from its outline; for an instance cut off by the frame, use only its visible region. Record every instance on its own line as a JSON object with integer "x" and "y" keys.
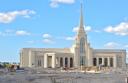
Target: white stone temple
{"x": 80, "y": 54}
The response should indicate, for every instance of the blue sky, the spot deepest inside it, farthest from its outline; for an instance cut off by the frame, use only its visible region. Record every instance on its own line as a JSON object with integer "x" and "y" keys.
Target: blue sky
{"x": 53, "y": 23}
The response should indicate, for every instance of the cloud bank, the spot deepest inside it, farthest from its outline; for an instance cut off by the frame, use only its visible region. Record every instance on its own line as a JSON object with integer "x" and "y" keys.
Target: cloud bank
{"x": 87, "y": 29}
{"x": 55, "y": 3}
{"x": 8, "y": 17}
{"x": 120, "y": 29}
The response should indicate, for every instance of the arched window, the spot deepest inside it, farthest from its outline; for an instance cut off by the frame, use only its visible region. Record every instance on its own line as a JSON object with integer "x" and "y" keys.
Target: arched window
{"x": 66, "y": 62}
{"x": 71, "y": 62}
{"x": 94, "y": 61}
{"x": 111, "y": 62}
{"x": 100, "y": 61}
{"x": 61, "y": 62}
{"x": 105, "y": 62}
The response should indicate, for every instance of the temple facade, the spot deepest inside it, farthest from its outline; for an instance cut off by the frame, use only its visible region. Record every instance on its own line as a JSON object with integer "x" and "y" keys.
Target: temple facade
{"x": 80, "y": 54}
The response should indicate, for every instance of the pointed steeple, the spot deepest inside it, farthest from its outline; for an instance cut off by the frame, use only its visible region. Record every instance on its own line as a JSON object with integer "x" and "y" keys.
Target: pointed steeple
{"x": 81, "y": 23}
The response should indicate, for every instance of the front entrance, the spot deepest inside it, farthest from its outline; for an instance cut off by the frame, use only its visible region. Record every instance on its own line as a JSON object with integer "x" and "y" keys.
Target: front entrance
{"x": 82, "y": 60}
{"x": 49, "y": 61}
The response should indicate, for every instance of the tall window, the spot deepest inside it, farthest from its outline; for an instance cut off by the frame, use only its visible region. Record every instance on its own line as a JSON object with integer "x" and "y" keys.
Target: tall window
{"x": 105, "y": 62}
{"x": 82, "y": 52}
{"x": 61, "y": 62}
{"x": 94, "y": 61}
{"x": 71, "y": 62}
{"x": 82, "y": 60}
{"x": 39, "y": 63}
{"x": 82, "y": 45}
{"x": 100, "y": 60}
{"x": 66, "y": 62}
{"x": 111, "y": 62}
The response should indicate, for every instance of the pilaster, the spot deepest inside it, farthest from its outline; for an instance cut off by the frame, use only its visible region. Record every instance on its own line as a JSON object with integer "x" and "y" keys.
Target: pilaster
{"x": 45, "y": 61}
{"x": 115, "y": 61}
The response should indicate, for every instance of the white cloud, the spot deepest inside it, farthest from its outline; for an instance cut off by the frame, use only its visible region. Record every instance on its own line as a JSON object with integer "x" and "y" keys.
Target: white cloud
{"x": 48, "y": 41}
{"x": 111, "y": 45}
{"x": 87, "y": 29}
{"x": 22, "y": 33}
{"x": 70, "y": 38}
{"x": 55, "y": 3}
{"x": 47, "y": 35}
{"x": 75, "y": 29}
{"x": 8, "y": 17}
{"x": 47, "y": 38}
{"x": 120, "y": 29}
{"x": 10, "y": 32}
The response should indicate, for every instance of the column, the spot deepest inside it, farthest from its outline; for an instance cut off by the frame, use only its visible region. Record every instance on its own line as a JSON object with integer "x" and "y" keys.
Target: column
{"x": 45, "y": 61}
{"x": 123, "y": 59}
{"x": 63, "y": 61}
{"x": 102, "y": 60}
{"x": 115, "y": 61}
{"x": 108, "y": 61}
{"x": 29, "y": 58}
{"x": 97, "y": 64}
{"x": 53, "y": 61}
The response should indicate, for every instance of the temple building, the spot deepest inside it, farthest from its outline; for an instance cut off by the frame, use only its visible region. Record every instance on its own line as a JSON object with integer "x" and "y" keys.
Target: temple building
{"x": 80, "y": 54}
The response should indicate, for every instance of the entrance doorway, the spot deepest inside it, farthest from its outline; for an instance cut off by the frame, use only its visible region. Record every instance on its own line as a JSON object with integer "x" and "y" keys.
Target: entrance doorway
{"x": 49, "y": 61}
{"x": 94, "y": 61}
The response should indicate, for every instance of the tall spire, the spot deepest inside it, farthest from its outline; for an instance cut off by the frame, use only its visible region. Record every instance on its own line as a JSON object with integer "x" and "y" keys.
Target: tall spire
{"x": 81, "y": 23}
{"x": 81, "y": 17}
